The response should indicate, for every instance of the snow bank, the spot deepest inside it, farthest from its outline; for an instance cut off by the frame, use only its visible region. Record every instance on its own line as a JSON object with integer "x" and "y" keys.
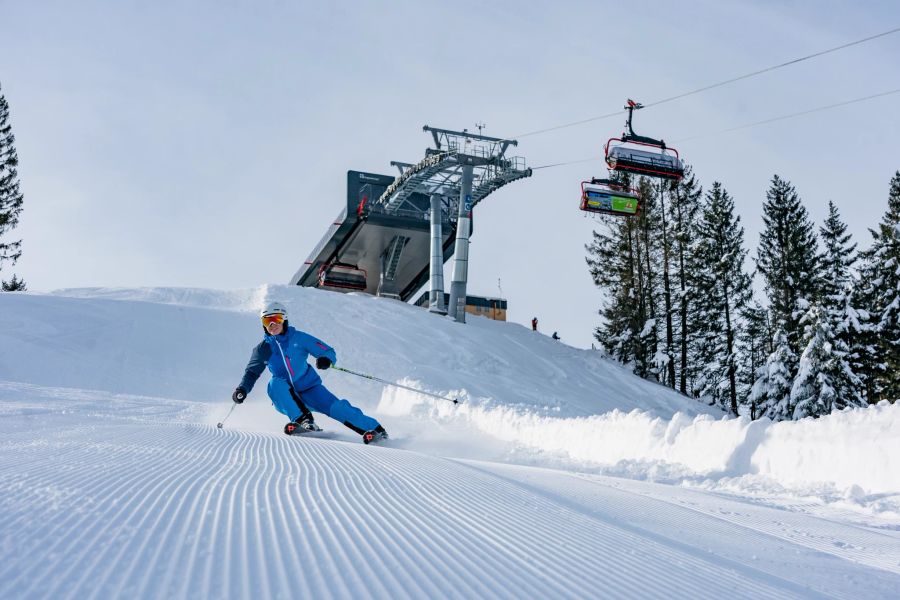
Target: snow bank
{"x": 854, "y": 448}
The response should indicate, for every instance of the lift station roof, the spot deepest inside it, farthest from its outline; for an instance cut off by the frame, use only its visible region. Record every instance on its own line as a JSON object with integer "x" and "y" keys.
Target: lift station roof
{"x": 387, "y": 245}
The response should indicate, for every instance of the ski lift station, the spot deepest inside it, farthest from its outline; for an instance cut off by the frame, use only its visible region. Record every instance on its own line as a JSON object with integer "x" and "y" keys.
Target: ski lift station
{"x": 394, "y": 233}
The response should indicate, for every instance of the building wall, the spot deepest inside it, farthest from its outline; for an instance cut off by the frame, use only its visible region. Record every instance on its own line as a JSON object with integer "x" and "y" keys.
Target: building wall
{"x": 492, "y": 308}
{"x": 497, "y": 314}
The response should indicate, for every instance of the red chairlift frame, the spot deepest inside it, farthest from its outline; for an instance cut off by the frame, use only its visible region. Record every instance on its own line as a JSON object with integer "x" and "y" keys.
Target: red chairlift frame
{"x": 612, "y": 185}
{"x": 647, "y": 171}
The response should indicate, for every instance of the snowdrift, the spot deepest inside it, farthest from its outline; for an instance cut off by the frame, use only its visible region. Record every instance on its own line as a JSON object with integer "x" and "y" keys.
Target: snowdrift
{"x": 856, "y": 452}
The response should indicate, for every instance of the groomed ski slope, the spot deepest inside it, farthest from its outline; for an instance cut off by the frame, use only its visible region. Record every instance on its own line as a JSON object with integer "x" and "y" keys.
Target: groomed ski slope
{"x": 115, "y": 482}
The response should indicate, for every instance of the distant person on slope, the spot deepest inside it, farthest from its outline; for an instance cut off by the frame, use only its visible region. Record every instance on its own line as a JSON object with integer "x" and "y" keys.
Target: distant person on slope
{"x": 534, "y": 324}
{"x": 295, "y": 387}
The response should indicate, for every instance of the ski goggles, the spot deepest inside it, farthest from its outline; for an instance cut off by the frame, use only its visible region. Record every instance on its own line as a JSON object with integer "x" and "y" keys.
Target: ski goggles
{"x": 269, "y": 319}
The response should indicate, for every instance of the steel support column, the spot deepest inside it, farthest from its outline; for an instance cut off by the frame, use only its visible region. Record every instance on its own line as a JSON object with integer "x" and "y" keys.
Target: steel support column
{"x": 436, "y": 297}
{"x": 457, "y": 308}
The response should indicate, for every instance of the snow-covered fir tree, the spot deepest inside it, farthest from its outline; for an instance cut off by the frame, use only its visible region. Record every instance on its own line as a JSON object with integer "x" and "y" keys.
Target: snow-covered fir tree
{"x": 866, "y": 353}
{"x": 824, "y": 381}
{"x": 837, "y": 258}
{"x": 754, "y": 347}
{"x": 884, "y": 291}
{"x": 666, "y": 353}
{"x": 788, "y": 260}
{"x": 842, "y": 326}
{"x": 611, "y": 263}
{"x": 624, "y": 262}
{"x": 718, "y": 269}
{"x": 650, "y": 276}
{"x": 10, "y": 198}
{"x": 772, "y": 389}
{"x": 684, "y": 210}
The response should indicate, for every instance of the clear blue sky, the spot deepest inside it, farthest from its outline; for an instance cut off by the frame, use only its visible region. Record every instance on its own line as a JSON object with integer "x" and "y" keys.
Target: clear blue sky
{"x": 205, "y": 144}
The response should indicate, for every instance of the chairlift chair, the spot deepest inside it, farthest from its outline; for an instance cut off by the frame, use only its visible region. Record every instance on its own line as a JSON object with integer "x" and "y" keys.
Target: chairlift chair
{"x": 653, "y": 158}
{"x": 609, "y": 197}
{"x": 342, "y": 277}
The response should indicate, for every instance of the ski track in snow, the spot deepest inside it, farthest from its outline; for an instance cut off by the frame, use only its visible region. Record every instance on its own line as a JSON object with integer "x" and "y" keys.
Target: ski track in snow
{"x": 102, "y": 497}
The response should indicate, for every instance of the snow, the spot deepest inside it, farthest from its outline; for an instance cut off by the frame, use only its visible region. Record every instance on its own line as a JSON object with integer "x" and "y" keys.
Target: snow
{"x": 559, "y": 475}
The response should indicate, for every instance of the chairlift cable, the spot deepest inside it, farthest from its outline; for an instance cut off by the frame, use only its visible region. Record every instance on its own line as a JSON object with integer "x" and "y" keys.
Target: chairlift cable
{"x": 715, "y": 85}
{"x": 796, "y": 114}
{"x": 772, "y": 68}
{"x": 746, "y": 126}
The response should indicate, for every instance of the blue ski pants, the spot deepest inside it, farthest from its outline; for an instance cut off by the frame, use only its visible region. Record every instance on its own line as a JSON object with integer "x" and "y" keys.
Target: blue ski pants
{"x": 318, "y": 399}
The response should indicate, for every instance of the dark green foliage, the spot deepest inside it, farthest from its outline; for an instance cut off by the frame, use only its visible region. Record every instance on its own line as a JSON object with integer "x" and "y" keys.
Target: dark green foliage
{"x": 788, "y": 260}
{"x": 679, "y": 305}
{"x": 718, "y": 270}
{"x": 10, "y": 197}
{"x": 623, "y": 261}
{"x": 882, "y": 288}
{"x": 755, "y": 343}
{"x": 824, "y": 381}
{"x": 772, "y": 388}
{"x": 683, "y": 209}
{"x": 13, "y": 285}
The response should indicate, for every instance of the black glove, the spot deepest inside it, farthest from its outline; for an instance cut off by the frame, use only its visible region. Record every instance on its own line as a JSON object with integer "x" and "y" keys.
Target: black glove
{"x": 323, "y": 362}
{"x": 239, "y": 395}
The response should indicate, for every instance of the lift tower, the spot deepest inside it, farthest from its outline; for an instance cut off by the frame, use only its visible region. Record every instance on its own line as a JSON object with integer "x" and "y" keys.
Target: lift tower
{"x": 464, "y": 167}
{"x": 379, "y": 243}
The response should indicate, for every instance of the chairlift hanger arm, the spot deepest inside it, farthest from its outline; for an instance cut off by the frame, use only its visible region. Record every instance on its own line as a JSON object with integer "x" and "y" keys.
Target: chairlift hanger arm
{"x": 631, "y": 136}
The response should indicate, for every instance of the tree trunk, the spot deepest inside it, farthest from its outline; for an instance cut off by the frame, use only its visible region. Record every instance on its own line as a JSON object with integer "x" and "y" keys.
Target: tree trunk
{"x": 670, "y": 334}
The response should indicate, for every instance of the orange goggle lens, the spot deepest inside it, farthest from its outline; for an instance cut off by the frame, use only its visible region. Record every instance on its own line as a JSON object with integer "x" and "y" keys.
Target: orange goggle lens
{"x": 269, "y": 319}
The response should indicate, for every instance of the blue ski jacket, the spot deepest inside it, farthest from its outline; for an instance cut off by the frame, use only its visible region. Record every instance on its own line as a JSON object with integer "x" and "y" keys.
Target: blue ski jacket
{"x": 286, "y": 355}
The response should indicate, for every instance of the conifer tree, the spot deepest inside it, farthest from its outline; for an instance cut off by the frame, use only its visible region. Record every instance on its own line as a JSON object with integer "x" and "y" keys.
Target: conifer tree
{"x": 772, "y": 389}
{"x": 624, "y": 261}
{"x": 685, "y": 203}
{"x": 837, "y": 259}
{"x": 885, "y": 291}
{"x": 668, "y": 244}
{"x": 840, "y": 326}
{"x": 612, "y": 266}
{"x": 755, "y": 344}
{"x": 866, "y": 353}
{"x": 651, "y": 362}
{"x": 10, "y": 197}
{"x": 824, "y": 381}
{"x": 718, "y": 259}
{"x": 788, "y": 260}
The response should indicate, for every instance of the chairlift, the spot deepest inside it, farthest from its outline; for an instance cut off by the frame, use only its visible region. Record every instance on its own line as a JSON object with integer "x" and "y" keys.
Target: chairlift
{"x": 609, "y": 197}
{"x": 653, "y": 158}
{"x": 342, "y": 277}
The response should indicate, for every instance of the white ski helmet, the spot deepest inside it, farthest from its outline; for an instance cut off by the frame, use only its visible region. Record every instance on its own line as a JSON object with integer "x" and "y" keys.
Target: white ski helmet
{"x": 273, "y": 308}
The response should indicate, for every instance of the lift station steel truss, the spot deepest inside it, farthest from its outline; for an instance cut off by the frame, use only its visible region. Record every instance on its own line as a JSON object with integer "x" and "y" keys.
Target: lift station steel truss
{"x": 388, "y": 236}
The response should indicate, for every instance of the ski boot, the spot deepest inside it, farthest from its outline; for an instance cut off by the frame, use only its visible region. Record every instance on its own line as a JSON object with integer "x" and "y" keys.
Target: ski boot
{"x": 302, "y": 424}
{"x": 375, "y": 435}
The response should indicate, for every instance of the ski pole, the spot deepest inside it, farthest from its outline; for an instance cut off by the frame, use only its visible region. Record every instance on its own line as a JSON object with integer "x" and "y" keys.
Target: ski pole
{"x": 384, "y": 381}
{"x": 222, "y": 423}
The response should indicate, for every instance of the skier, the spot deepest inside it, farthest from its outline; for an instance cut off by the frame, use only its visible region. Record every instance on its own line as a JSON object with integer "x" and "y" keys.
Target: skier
{"x": 295, "y": 387}
{"x": 555, "y": 336}
{"x": 534, "y": 324}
